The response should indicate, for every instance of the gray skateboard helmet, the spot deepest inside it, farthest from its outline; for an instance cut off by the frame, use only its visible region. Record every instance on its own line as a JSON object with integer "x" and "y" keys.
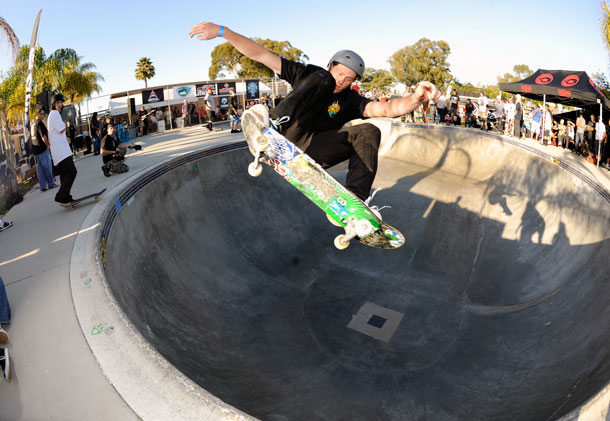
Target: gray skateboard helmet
{"x": 349, "y": 59}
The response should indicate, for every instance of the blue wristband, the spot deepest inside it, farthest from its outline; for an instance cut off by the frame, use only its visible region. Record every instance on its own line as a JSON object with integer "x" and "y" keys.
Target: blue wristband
{"x": 220, "y": 31}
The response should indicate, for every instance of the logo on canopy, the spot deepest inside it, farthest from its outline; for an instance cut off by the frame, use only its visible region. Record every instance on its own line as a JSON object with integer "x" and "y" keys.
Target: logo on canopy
{"x": 564, "y": 93}
{"x": 544, "y": 79}
{"x": 526, "y": 88}
{"x": 570, "y": 81}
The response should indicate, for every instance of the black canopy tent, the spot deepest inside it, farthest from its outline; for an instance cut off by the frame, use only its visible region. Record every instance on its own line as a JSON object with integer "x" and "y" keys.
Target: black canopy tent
{"x": 574, "y": 88}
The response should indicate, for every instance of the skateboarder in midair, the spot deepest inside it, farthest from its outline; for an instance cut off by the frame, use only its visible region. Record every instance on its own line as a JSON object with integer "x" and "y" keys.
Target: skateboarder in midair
{"x": 313, "y": 114}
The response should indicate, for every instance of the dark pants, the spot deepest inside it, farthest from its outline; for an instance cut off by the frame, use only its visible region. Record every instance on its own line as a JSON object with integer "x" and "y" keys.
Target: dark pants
{"x": 5, "y": 307}
{"x": 442, "y": 112}
{"x": 517, "y": 125}
{"x": 359, "y": 144}
{"x": 67, "y": 174}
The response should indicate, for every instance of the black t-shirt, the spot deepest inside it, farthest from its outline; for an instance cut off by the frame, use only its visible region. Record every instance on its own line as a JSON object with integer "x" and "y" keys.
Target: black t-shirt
{"x": 335, "y": 111}
{"x": 469, "y": 107}
{"x": 232, "y": 106}
{"x": 109, "y": 143}
{"x": 38, "y": 131}
{"x": 518, "y": 115}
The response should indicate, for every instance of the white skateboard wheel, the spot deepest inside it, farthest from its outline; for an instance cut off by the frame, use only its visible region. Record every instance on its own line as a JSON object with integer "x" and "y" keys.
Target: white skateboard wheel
{"x": 261, "y": 143}
{"x": 340, "y": 242}
{"x": 255, "y": 169}
{"x": 364, "y": 228}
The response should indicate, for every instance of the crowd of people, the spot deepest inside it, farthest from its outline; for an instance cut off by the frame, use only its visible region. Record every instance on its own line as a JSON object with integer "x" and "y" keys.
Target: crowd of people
{"x": 512, "y": 117}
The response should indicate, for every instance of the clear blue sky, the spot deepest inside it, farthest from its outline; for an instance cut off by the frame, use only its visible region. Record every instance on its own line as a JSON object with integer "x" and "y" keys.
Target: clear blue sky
{"x": 487, "y": 38}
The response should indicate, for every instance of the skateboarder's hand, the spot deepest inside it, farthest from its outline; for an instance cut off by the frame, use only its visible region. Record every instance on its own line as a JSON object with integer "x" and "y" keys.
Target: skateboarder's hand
{"x": 426, "y": 91}
{"x": 208, "y": 30}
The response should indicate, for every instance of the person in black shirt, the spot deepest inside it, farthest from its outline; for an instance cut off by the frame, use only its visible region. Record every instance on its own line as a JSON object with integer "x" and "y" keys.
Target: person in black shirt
{"x": 469, "y": 110}
{"x": 143, "y": 119}
{"x": 233, "y": 114}
{"x": 113, "y": 153}
{"x": 40, "y": 144}
{"x": 321, "y": 102}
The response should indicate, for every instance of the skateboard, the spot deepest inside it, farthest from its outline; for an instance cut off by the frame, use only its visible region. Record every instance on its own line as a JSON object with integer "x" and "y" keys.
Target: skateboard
{"x": 80, "y": 200}
{"x": 342, "y": 207}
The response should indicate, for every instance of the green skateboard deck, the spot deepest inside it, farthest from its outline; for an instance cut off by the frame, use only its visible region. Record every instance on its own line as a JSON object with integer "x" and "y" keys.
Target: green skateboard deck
{"x": 347, "y": 210}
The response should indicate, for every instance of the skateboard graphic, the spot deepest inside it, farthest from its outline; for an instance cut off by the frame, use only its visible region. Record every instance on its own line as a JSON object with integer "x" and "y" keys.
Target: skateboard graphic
{"x": 80, "y": 200}
{"x": 343, "y": 207}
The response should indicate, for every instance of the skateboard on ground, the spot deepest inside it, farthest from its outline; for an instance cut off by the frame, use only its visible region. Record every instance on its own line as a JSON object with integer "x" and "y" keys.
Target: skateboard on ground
{"x": 80, "y": 200}
{"x": 342, "y": 207}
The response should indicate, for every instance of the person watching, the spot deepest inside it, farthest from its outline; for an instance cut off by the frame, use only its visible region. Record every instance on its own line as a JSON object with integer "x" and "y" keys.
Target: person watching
{"x": 113, "y": 154}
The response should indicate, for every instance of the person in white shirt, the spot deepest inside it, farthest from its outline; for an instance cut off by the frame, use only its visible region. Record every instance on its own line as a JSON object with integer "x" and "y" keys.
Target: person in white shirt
{"x": 600, "y": 132}
{"x": 483, "y": 110}
{"x": 442, "y": 108}
{"x": 60, "y": 151}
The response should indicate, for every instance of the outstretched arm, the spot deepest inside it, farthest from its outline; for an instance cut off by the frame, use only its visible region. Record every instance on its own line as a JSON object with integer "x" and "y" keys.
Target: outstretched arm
{"x": 249, "y": 48}
{"x": 425, "y": 91}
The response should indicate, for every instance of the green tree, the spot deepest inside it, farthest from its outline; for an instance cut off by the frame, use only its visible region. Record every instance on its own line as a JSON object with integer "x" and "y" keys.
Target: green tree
{"x": 424, "y": 60}
{"x": 602, "y": 83}
{"x": 520, "y": 72}
{"x": 605, "y": 25}
{"x": 377, "y": 79}
{"x": 145, "y": 70}
{"x": 226, "y": 59}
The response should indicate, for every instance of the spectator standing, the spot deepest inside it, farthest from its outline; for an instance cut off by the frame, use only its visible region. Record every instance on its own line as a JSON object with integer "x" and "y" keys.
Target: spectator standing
{"x": 499, "y": 114}
{"x": 186, "y": 116}
{"x": 143, "y": 119}
{"x": 535, "y": 123}
{"x": 580, "y": 134}
{"x": 606, "y": 147}
{"x": 233, "y": 113}
{"x": 94, "y": 125}
{"x": 600, "y": 135}
{"x": 483, "y": 101}
{"x": 60, "y": 151}
{"x": 561, "y": 134}
{"x": 548, "y": 125}
{"x": 441, "y": 107}
{"x": 425, "y": 108}
{"x": 71, "y": 135}
{"x": 40, "y": 143}
{"x": 454, "y": 100}
{"x": 210, "y": 107}
{"x": 104, "y": 129}
{"x": 194, "y": 114}
{"x": 518, "y": 117}
{"x": 569, "y": 133}
{"x": 469, "y": 109}
{"x": 590, "y": 135}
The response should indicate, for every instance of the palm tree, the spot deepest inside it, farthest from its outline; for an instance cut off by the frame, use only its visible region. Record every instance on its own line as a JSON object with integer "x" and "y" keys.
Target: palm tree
{"x": 145, "y": 70}
{"x": 605, "y": 23}
{"x": 7, "y": 32}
